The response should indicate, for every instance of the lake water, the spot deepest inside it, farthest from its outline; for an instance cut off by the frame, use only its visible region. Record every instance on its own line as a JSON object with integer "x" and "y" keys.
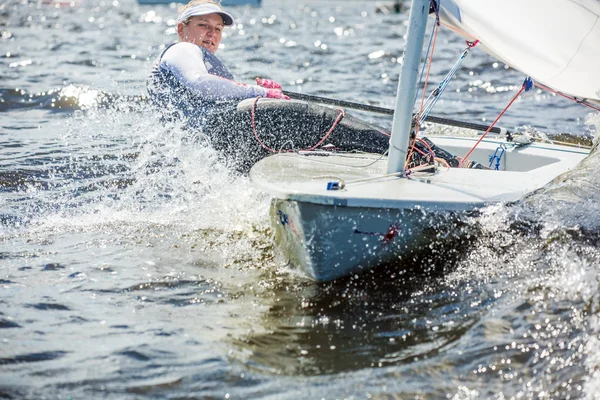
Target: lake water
{"x": 134, "y": 265}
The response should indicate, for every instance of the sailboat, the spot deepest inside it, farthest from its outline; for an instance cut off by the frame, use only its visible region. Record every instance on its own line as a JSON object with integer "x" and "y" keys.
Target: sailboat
{"x": 336, "y": 214}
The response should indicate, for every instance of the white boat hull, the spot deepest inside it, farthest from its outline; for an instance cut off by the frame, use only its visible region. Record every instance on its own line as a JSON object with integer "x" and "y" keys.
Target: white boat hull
{"x": 377, "y": 219}
{"x": 328, "y": 242}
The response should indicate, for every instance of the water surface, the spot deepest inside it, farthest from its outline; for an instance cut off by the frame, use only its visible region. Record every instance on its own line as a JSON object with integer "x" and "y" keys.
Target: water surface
{"x": 136, "y": 265}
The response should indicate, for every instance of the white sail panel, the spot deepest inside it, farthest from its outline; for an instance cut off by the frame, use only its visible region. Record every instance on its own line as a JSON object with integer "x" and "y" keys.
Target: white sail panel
{"x": 555, "y": 42}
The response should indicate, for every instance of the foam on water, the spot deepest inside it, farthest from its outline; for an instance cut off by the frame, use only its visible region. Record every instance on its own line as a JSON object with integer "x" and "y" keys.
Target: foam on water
{"x": 539, "y": 258}
{"x": 126, "y": 175}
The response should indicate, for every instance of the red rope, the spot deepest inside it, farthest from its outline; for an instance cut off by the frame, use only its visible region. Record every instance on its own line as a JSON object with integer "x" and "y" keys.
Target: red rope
{"x": 566, "y": 97}
{"x": 437, "y": 27}
{"x": 428, "y": 147}
{"x": 337, "y": 120}
{"x": 412, "y": 148}
{"x": 491, "y": 126}
{"x": 460, "y": 32}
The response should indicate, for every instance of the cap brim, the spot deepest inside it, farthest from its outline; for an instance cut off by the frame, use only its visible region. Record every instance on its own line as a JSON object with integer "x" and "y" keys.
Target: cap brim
{"x": 227, "y": 18}
{"x": 206, "y": 9}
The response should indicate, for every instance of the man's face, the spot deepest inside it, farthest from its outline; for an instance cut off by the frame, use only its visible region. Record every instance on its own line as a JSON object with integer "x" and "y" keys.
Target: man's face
{"x": 202, "y": 30}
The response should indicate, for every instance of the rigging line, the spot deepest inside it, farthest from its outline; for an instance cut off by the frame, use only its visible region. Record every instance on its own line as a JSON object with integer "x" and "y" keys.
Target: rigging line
{"x": 428, "y": 71}
{"x": 429, "y": 48}
{"x": 459, "y": 31}
{"x": 526, "y": 85}
{"x": 434, "y": 35}
{"x": 583, "y": 102}
{"x": 375, "y": 161}
{"x": 374, "y": 178}
{"x": 435, "y": 94}
{"x": 342, "y": 155}
{"x": 393, "y": 174}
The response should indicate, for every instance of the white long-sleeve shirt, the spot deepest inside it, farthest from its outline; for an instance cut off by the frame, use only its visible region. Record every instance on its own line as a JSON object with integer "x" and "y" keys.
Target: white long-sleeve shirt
{"x": 187, "y": 63}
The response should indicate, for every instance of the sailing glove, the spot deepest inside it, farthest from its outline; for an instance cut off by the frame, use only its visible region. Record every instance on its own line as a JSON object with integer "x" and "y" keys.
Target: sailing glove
{"x": 268, "y": 84}
{"x": 276, "y": 94}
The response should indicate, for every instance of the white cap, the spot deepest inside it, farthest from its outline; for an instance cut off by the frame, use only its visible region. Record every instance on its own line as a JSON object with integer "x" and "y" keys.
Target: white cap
{"x": 205, "y": 9}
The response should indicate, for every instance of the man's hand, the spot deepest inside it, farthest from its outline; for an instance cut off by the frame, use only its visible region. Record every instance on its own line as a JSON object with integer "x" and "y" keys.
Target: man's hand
{"x": 276, "y": 94}
{"x": 268, "y": 84}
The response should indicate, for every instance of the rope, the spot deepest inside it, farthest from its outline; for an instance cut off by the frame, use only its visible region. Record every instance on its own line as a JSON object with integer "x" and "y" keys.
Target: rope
{"x": 430, "y": 61}
{"x": 428, "y": 72}
{"x": 431, "y": 45}
{"x": 431, "y": 152}
{"x": 435, "y": 95}
{"x": 583, "y": 101}
{"x": 252, "y": 113}
{"x": 427, "y": 106}
{"x": 526, "y": 86}
{"x": 460, "y": 32}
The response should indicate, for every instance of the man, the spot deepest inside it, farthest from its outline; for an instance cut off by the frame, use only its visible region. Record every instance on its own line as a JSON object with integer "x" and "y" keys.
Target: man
{"x": 188, "y": 78}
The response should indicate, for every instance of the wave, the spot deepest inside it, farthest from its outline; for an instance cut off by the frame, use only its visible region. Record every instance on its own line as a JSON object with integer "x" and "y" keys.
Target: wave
{"x": 67, "y": 99}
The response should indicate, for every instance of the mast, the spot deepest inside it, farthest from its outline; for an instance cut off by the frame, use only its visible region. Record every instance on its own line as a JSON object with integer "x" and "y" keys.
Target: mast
{"x": 407, "y": 87}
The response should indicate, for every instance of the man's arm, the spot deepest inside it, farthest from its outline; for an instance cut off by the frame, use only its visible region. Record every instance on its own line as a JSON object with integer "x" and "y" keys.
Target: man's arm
{"x": 186, "y": 62}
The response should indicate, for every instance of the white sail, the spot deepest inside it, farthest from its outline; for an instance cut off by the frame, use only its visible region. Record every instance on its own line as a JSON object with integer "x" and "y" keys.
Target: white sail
{"x": 555, "y": 42}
